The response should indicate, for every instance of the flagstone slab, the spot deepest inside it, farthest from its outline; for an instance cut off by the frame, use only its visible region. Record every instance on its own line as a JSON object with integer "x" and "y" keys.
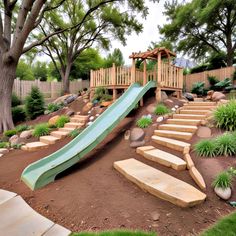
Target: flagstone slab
{"x": 6, "y": 195}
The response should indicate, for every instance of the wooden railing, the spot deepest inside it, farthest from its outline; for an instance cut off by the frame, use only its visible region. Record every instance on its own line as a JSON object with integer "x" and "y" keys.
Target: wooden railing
{"x": 170, "y": 76}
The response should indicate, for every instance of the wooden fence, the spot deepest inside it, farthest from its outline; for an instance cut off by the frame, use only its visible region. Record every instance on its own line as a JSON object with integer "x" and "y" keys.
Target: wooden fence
{"x": 220, "y": 74}
{"x": 49, "y": 89}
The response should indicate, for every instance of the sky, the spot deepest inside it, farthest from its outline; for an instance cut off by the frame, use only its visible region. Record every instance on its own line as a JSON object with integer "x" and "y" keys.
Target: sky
{"x": 136, "y": 43}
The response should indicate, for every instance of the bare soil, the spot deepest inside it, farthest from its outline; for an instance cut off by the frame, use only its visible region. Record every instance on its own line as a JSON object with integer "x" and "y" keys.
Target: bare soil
{"x": 92, "y": 196}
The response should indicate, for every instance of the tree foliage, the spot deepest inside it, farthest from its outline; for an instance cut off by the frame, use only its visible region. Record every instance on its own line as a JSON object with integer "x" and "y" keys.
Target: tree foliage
{"x": 115, "y": 57}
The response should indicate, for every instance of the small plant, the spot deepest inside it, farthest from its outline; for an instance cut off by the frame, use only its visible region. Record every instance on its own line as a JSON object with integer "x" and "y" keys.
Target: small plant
{"x": 21, "y": 128}
{"x": 226, "y": 145}
{"x": 212, "y": 81}
{"x": 4, "y": 144}
{"x": 223, "y": 84}
{"x": 15, "y": 100}
{"x": 102, "y": 94}
{"x": 62, "y": 120}
{"x": 144, "y": 122}
{"x": 17, "y": 146}
{"x": 18, "y": 114}
{"x": 41, "y": 130}
{"x": 10, "y": 132}
{"x": 53, "y": 107}
{"x": 225, "y": 116}
{"x": 34, "y": 103}
{"x": 74, "y": 133}
{"x": 223, "y": 180}
{"x": 161, "y": 109}
{"x": 206, "y": 148}
{"x": 198, "y": 88}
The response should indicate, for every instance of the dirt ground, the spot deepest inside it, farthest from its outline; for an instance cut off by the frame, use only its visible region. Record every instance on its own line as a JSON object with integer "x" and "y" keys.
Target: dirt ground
{"x": 92, "y": 196}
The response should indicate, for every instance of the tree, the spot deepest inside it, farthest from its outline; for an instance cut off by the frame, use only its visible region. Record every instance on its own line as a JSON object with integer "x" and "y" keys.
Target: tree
{"x": 115, "y": 57}
{"x": 111, "y": 21}
{"x": 40, "y": 71}
{"x": 17, "y": 21}
{"x": 24, "y": 71}
{"x": 202, "y": 26}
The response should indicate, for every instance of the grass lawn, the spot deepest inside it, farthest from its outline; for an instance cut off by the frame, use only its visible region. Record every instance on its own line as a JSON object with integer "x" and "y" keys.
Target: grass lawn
{"x": 226, "y": 226}
{"x": 115, "y": 233}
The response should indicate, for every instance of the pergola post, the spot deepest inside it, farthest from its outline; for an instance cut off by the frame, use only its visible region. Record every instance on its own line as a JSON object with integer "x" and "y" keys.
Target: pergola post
{"x": 158, "y": 90}
{"x": 133, "y": 71}
{"x": 144, "y": 72}
{"x": 113, "y": 78}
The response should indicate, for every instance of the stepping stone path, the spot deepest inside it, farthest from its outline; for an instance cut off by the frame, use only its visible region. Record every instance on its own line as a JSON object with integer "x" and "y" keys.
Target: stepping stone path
{"x": 19, "y": 219}
{"x": 180, "y": 127}
{"x": 76, "y": 121}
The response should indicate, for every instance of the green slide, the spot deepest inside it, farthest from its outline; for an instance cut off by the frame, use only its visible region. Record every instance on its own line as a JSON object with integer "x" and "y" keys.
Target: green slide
{"x": 44, "y": 171}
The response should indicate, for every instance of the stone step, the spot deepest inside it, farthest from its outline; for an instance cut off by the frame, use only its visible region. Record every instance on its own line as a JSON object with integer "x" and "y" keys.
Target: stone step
{"x": 81, "y": 118}
{"x": 202, "y": 103}
{"x": 188, "y": 107}
{"x": 159, "y": 183}
{"x": 48, "y": 139}
{"x": 189, "y": 116}
{"x": 66, "y": 129}
{"x": 194, "y": 112}
{"x": 161, "y": 157}
{"x": 174, "y": 134}
{"x": 198, "y": 99}
{"x": 197, "y": 177}
{"x": 184, "y": 128}
{"x": 76, "y": 120}
{"x": 35, "y": 146}
{"x": 172, "y": 144}
{"x": 6, "y": 195}
{"x": 60, "y": 134}
{"x": 74, "y": 125}
{"x": 183, "y": 121}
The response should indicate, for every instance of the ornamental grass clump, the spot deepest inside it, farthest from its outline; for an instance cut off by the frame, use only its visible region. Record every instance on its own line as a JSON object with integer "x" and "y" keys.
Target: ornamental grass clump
{"x": 61, "y": 121}
{"x": 226, "y": 145}
{"x": 223, "y": 180}
{"x": 225, "y": 116}
{"x": 41, "y": 130}
{"x": 161, "y": 109}
{"x": 206, "y": 148}
{"x": 144, "y": 122}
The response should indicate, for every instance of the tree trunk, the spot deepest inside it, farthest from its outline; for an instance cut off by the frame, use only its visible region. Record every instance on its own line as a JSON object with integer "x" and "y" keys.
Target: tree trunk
{"x": 7, "y": 76}
{"x": 65, "y": 79}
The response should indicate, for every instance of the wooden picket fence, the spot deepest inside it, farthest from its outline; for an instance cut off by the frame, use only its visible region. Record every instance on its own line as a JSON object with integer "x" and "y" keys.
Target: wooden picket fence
{"x": 49, "y": 89}
{"x": 220, "y": 74}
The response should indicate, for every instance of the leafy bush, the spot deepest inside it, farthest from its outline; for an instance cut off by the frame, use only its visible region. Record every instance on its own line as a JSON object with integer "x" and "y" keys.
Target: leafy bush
{"x": 212, "y": 81}
{"x": 144, "y": 122}
{"x": 223, "y": 84}
{"x": 74, "y": 133}
{"x": 206, "y": 148}
{"x": 161, "y": 109}
{"x": 18, "y": 114}
{"x": 224, "y": 116}
{"x": 4, "y": 145}
{"x": 21, "y": 128}
{"x": 102, "y": 94}
{"x": 53, "y": 107}
{"x": 10, "y": 132}
{"x": 234, "y": 76}
{"x": 15, "y": 100}
{"x": 226, "y": 145}
{"x": 198, "y": 88}
{"x": 198, "y": 69}
{"x": 34, "y": 103}
{"x": 223, "y": 180}
{"x": 41, "y": 130}
{"x": 17, "y": 146}
{"x": 61, "y": 121}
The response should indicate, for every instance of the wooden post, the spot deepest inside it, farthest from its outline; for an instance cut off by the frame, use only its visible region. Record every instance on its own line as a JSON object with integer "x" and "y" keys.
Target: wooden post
{"x": 144, "y": 72}
{"x": 133, "y": 72}
{"x": 158, "y": 90}
{"x": 113, "y": 78}
{"x": 114, "y": 93}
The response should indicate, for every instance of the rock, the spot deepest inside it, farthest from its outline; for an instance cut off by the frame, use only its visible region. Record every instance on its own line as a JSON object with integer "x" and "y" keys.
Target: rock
{"x": 98, "y": 110}
{"x": 89, "y": 123}
{"x": 53, "y": 120}
{"x": 151, "y": 108}
{"x": 3, "y": 150}
{"x": 136, "y": 144}
{"x": 149, "y": 116}
{"x": 87, "y": 107}
{"x": 223, "y": 102}
{"x": 85, "y": 100}
{"x": 223, "y": 193}
{"x": 89, "y": 112}
{"x": 173, "y": 109}
{"x": 168, "y": 100}
{"x": 189, "y": 96}
{"x": 97, "y": 115}
{"x": 217, "y": 96}
{"x": 91, "y": 118}
{"x": 14, "y": 140}
{"x": 26, "y": 134}
{"x": 70, "y": 99}
{"x": 160, "y": 119}
{"x": 1, "y": 155}
{"x": 106, "y": 104}
{"x": 155, "y": 216}
{"x": 127, "y": 135}
{"x": 176, "y": 106}
{"x": 70, "y": 112}
{"x": 137, "y": 134}
{"x": 62, "y": 99}
{"x": 204, "y": 132}
{"x": 163, "y": 96}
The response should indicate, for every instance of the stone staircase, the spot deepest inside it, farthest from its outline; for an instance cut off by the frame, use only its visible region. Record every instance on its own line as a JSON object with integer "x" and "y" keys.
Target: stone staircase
{"x": 182, "y": 126}
{"x": 77, "y": 121}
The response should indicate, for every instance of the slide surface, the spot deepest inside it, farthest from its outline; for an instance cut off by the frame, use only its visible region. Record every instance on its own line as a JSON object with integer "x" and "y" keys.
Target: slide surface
{"x": 44, "y": 171}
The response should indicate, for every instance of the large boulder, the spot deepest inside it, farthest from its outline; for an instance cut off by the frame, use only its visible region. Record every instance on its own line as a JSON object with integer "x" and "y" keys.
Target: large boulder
{"x": 137, "y": 134}
{"x": 136, "y": 144}
{"x": 53, "y": 120}
{"x": 62, "y": 99}
{"x": 204, "y": 132}
{"x": 151, "y": 108}
{"x": 3, "y": 150}
{"x": 189, "y": 96}
{"x": 14, "y": 140}
{"x": 217, "y": 96}
{"x": 69, "y": 112}
{"x": 26, "y": 134}
{"x": 70, "y": 99}
{"x": 87, "y": 107}
{"x": 223, "y": 193}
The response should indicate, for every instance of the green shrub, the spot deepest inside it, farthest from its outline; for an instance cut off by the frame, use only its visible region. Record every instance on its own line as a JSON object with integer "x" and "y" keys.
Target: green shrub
{"x": 17, "y": 146}
{"x": 212, "y": 81}
{"x": 226, "y": 145}
{"x": 206, "y": 148}
{"x": 225, "y": 116}
{"x": 144, "y": 122}
{"x": 41, "y": 130}
{"x": 223, "y": 84}
{"x": 198, "y": 88}
{"x": 18, "y": 114}
{"x": 74, "y": 133}
{"x": 15, "y": 100}
{"x": 10, "y": 132}
{"x": 21, "y": 128}
{"x": 34, "y": 103}
{"x": 161, "y": 109}
{"x": 61, "y": 121}
{"x": 102, "y": 94}
{"x": 4, "y": 144}
{"x": 223, "y": 180}
{"x": 51, "y": 107}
